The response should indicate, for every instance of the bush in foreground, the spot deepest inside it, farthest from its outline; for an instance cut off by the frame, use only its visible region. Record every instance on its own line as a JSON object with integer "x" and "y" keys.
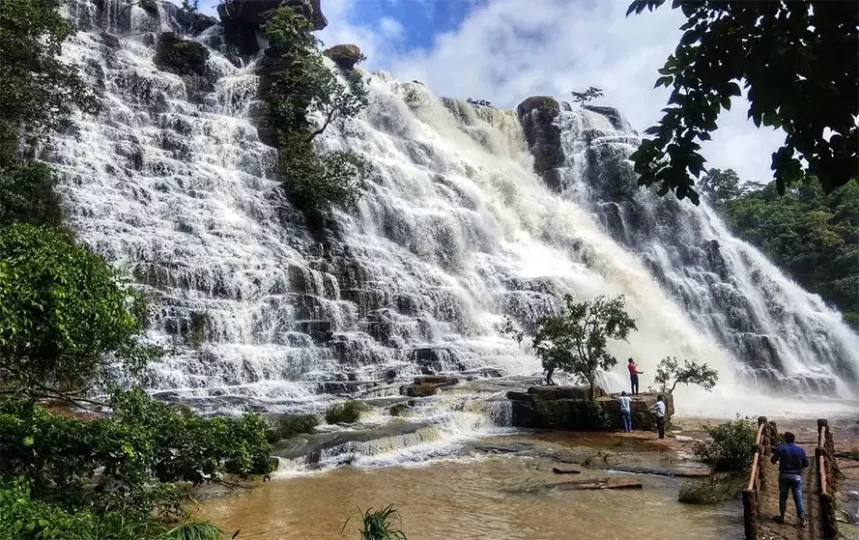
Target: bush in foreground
{"x": 714, "y": 490}
{"x": 347, "y": 412}
{"x": 732, "y": 447}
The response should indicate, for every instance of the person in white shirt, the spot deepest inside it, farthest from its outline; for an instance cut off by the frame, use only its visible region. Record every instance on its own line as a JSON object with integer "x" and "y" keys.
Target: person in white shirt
{"x": 659, "y": 410}
{"x": 625, "y": 411}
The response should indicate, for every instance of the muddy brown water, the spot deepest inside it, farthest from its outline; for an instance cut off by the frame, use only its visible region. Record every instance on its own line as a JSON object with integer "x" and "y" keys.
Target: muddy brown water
{"x": 487, "y": 497}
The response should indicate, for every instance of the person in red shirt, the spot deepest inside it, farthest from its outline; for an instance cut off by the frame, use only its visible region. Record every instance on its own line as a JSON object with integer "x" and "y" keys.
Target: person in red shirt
{"x": 633, "y": 376}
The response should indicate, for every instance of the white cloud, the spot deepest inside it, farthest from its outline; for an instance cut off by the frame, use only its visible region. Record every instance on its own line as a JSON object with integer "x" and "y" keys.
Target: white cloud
{"x": 507, "y": 50}
{"x": 391, "y": 28}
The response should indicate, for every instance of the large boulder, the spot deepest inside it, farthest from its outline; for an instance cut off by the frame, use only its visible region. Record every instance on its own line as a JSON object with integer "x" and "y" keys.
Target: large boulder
{"x": 564, "y": 407}
{"x": 537, "y": 115}
{"x": 345, "y": 56}
{"x": 181, "y": 56}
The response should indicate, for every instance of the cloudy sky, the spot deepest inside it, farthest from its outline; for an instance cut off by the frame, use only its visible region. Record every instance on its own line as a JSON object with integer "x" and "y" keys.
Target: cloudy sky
{"x": 506, "y": 50}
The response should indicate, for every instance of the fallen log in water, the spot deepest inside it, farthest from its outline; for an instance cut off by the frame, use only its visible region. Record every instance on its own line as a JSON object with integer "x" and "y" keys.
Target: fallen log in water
{"x": 599, "y": 483}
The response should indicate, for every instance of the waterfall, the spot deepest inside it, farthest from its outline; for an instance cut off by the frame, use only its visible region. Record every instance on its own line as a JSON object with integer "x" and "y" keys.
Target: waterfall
{"x": 264, "y": 309}
{"x": 779, "y": 334}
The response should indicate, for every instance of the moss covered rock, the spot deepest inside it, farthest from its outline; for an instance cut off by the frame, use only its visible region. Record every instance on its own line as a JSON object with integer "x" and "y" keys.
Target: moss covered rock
{"x": 180, "y": 56}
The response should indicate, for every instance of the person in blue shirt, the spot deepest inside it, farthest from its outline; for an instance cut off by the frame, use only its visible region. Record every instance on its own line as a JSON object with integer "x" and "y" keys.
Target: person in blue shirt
{"x": 791, "y": 459}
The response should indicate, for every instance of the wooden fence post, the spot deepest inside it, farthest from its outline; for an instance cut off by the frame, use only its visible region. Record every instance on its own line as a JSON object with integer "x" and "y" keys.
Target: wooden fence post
{"x": 750, "y": 514}
{"x": 829, "y": 527}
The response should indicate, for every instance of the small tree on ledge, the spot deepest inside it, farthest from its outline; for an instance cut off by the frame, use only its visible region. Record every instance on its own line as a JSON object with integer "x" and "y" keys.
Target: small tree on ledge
{"x": 689, "y": 373}
{"x": 591, "y": 93}
{"x": 575, "y": 341}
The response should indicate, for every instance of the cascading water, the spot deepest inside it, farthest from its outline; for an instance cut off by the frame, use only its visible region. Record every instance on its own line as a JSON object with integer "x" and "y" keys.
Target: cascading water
{"x": 781, "y": 335}
{"x": 267, "y": 310}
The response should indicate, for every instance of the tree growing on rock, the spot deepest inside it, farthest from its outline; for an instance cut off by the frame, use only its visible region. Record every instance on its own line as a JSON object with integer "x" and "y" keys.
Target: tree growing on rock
{"x": 299, "y": 89}
{"x": 575, "y": 341}
{"x": 588, "y": 95}
{"x": 787, "y": 55}
{"x": 670, "y": 372}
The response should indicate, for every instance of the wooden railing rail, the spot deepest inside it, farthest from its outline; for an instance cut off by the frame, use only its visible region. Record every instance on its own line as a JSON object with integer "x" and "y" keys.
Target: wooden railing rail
{"x": 827, "y": 472}
{"x": 765, "y": 440}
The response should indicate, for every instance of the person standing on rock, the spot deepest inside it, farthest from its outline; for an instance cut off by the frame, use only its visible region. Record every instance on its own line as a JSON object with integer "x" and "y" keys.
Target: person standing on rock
{"x": 658, "y": 409}
{"x": 633, "y": 376}
{"x": 550, "y": 370}
{"x": 791, "y": 461}
{"x": 626, "y": 412}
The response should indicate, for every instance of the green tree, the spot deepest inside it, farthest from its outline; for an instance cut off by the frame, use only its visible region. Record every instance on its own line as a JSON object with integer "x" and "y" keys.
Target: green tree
{"x": 797, "y": 61}
{"x": 38, "y": 92}
{"x": 669, "y": 373}
{"x": 588, "y": 95}
{"x": 63, "y": 313}
{"x": 720, "y": 186}
{"x": 302, "y": 87}
{"x": 575, "y": 341}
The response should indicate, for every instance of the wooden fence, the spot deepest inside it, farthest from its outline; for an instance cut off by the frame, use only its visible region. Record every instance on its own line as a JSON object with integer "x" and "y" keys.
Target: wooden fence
{"x": 827, "y": 474}
{"x": 765, "y": 442}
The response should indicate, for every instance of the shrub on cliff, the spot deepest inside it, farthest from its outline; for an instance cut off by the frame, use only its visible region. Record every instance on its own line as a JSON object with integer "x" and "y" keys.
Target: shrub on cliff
{"x": 301, "y": 88}
{"x": 732, "y": 447}
{"x": 291, "y": 426}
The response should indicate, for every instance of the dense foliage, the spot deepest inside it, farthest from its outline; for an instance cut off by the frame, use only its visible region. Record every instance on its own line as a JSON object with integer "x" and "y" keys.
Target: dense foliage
{"x": 66, "y": 321}
{"x": 62, "y": 312}
{"x": 732, "y": 445}
{"x": 669, "y": 373}
{"x": 797, "y": 61}
{"x": 303, "y": 88}
{"x": 575, "y": 341}
{"x": 143, "y": 448}
{"x": 811, "y": 235}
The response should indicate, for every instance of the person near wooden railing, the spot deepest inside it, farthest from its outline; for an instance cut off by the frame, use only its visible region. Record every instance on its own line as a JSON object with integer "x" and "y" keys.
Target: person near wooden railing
{"x": 791, "y": 461}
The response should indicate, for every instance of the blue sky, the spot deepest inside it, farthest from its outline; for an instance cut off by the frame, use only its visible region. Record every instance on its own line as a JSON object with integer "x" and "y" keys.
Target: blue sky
{"x": 507, "y": 50}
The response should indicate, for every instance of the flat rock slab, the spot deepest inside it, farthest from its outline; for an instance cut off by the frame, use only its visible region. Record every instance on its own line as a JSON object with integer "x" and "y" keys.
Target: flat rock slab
{"x": 599, "y": 483}
{"x": 692, "y": 470}
{"x": 313, "y": 445}
{"x": 559, "y": 470}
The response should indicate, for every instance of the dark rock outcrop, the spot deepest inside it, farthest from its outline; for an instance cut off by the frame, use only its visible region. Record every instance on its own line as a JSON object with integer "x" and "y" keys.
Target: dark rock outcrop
{"x": 537, "y": 115}
{"x": 345, "y": 56}
{"x": 560, "y": 407}
{"x": 181, "y": 56}
{"x": 427, "y": 386}
{"x": 193, "y": 22}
